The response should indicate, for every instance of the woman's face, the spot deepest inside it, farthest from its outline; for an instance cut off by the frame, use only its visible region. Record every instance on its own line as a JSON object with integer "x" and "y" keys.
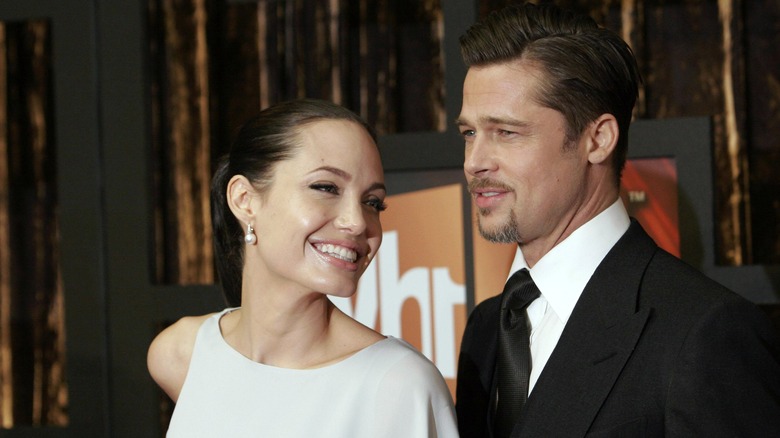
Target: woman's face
{"x": 318, "y": 222}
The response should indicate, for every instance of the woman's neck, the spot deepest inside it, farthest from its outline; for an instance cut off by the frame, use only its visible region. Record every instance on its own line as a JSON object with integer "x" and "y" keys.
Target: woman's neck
{"x": 289, "y": 330}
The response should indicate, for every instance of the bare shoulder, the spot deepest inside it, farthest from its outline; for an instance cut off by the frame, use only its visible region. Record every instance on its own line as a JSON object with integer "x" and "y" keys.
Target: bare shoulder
{"x": 168, "y": 358}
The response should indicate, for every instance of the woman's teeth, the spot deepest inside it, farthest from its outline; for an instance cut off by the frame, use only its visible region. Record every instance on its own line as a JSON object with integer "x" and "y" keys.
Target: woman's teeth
{"x": 339, "y": 252}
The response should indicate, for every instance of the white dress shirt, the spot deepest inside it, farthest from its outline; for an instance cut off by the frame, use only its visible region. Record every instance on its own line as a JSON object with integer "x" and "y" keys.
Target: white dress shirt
{"x": 561, "y": 276}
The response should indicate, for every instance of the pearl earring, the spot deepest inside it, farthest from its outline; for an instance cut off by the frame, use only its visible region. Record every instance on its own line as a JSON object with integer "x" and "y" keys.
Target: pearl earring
{"x": 250, "y": 238}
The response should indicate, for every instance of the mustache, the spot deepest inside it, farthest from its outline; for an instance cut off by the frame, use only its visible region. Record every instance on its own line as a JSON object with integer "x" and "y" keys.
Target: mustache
{"x": 480, "y": 183}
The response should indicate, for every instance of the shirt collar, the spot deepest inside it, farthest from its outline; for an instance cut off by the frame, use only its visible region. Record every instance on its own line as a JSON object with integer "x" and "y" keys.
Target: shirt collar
{"x": 562, "y": 273}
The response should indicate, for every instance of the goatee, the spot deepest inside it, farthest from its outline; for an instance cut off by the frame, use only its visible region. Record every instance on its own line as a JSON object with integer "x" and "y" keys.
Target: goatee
{"x": 505, "y": 233}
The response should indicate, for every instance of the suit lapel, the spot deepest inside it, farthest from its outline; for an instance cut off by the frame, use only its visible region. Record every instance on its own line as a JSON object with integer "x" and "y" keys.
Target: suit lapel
{"x": 596, "y": 343}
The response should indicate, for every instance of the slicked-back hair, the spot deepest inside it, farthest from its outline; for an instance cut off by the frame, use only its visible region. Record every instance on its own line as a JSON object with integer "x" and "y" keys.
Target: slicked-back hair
{"x": 265, "y": 140}
{"x": 586, "y": 71}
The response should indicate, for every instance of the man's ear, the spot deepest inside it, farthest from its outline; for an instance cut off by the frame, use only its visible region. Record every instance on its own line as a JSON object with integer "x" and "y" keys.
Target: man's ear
{"x": 240, "y": 198}
{"x": 602, "y": 138}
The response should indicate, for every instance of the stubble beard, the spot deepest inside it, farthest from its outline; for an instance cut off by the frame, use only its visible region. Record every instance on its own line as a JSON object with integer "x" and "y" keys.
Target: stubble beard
{"x": 504, "y": 233}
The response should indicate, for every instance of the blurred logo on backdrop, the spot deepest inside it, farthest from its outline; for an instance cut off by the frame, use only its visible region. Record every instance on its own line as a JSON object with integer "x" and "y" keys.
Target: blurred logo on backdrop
{"x": 415, "y": 288}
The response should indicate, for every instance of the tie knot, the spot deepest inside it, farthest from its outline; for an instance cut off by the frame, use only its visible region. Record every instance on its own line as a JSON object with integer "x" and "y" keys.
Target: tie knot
{"x": 519, "y": 291}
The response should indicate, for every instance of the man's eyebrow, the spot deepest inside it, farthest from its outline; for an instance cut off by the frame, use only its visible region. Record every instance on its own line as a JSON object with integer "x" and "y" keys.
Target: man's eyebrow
{"x": 492, "y": 120}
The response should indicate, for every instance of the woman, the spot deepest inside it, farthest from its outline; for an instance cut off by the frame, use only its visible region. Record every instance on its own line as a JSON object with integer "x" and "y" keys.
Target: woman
{"x": 295, "y": 210}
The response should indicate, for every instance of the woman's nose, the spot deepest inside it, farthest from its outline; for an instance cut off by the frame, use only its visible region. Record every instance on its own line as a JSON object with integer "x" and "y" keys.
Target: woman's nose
{"x": 350, "y": 217}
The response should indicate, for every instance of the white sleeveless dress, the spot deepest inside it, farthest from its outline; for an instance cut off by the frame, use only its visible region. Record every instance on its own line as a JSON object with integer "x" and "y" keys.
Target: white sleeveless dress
{"x": 388, "y": 390}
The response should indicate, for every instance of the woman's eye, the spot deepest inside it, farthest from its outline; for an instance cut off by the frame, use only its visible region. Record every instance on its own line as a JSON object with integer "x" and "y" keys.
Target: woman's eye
{"x": 325, "y": 187}
{"x": 377, "y": 204}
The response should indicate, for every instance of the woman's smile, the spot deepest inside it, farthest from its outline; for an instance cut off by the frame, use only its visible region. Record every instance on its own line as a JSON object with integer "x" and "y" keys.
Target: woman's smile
{"x": 339, "y": 252}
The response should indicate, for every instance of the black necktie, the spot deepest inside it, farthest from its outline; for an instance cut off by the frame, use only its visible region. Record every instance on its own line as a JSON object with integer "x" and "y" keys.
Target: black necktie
{"x": 513, "y": 363}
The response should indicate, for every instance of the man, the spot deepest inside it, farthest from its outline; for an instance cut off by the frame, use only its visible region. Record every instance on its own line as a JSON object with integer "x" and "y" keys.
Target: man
{"x": 625, "y": 339}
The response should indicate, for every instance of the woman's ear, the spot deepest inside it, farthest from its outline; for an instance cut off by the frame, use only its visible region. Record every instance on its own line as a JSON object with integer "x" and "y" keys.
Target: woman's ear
{"x": 240, "y": 199}
{"x": 602, "y": 138}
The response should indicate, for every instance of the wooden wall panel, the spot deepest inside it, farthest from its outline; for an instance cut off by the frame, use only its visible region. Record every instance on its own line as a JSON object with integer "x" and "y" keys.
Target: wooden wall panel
{"x": 33, "y": 390}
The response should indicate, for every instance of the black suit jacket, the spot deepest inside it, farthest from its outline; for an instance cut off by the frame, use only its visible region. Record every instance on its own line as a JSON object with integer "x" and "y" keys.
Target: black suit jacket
{"x": 652, "y": 348}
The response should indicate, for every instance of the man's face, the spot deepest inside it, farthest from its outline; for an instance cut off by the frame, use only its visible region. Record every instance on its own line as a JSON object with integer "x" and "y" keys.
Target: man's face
{"x": 526, "y": 179}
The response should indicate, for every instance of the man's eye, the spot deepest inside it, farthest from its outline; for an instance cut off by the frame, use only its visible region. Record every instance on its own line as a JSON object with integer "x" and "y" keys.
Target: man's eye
{"x": 468, "y": 132}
